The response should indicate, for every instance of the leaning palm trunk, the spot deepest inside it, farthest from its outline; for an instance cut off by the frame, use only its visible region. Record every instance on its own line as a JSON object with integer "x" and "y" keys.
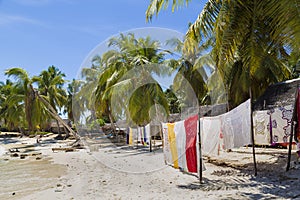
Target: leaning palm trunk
{"x": 53, "y": 113}
{"x": 112, "y": 122}
{"x": 58, "y": 128}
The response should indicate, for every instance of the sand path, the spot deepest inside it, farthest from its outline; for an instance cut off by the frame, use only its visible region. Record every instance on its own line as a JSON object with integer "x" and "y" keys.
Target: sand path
{"x": 127, "y": 173}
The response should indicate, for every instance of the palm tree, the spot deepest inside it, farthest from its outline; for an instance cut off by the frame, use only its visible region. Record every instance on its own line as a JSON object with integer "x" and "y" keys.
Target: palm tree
{"x": 125, "y": 69}
{"x": 88, "y": 87}
{"x": 253, "y": 40}
{"x": 24, "y": 95}
{"x": 173, "y": 101}
{"x": 11, "y": 106}
{"x": 50, "y": 85}
{"x": 191, "y": 70}
{"x": 72, "y": 107}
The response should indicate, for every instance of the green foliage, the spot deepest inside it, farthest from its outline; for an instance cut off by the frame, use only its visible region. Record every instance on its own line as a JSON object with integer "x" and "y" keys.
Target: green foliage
{"x": 124, "y": 71}
{"x": 156, "y": 6}
{"x": 50, "y": 84}
{"x": 22, "y": 96}
{"x": 191, "y": 74}
{"x": 96, "y": 124}
{"x": 143, "y": 100}
{"x": 173, "y": 102}
{"x": 19, "y": 106}
{"x": 255, "y": 43}
{"x": 73, "y": 108}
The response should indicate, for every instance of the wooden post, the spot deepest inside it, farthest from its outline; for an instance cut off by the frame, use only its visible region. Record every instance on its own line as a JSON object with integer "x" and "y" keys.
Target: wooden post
{"x": 290, "y": 146}
{"x": 150, "y": 139}
{"x": 252, "y": 133}
{"x": 161, "y": 136}
{"x": 292, "y": 131}
{"x": 151, "y": 144}
{"x": 137, "y": 137}
{"x": 200, "y": 152}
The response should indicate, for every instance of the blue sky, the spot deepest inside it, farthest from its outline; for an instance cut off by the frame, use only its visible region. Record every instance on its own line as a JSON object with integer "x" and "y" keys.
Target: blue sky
{"x": 35, "y": 34}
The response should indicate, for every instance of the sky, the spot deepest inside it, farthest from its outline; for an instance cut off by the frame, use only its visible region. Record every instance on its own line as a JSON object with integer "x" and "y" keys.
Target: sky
{"x": 35, "y": 34}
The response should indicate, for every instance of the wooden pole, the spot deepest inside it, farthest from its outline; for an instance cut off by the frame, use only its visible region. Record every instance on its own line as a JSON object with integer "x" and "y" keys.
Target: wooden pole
{"x": 252, "y": 133}
{"x": 137, "y": 137}
{"x": 290, "y": 146}
{"x": 161, "y": 135}
{"x": 292, "y": 131}
{"x": 151, "y": 144}
{"x": 200, "y": 152}
{"x": 150, "y": 139}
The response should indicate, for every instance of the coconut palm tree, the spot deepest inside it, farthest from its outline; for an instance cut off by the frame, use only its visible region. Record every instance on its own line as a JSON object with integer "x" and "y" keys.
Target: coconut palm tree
{"x": 25, "y": 95}
{"x": 50, "y": 86}
{"x": 125, "y": 76}
{"x": 192, "y": 69}
{"x": 11, "y": 106}
{"x": 5, "y": 90}
{"x": 72, "y": 107}
{"x": 86, "y": 94}
{"x": 173, "y": 101}
{"x": 253, "y": 40}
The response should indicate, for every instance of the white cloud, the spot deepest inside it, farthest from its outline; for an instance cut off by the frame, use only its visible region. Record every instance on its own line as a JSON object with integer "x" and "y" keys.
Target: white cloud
{"x": 6, "y": 19}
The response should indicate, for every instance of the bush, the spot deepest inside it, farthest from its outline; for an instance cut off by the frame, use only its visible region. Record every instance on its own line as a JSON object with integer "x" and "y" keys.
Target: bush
{"x": 96, "y": 124}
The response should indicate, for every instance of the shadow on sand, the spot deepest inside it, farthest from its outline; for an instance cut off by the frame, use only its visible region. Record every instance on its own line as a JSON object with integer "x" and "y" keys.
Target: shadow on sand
{"x": 271, "y": 179}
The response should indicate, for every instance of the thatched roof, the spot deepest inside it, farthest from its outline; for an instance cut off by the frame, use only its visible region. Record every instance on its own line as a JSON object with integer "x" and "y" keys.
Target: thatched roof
{"x": 208, "y": 110}
{"x": 279, "y": 94}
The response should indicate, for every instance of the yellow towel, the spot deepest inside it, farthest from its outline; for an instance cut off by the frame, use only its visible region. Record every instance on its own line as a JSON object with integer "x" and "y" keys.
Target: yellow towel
{"x": 172, "y": 142}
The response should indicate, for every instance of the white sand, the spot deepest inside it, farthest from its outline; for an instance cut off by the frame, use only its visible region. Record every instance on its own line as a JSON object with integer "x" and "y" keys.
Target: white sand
{"x": 2, "y": 150}
{"x": 127, "y": 173}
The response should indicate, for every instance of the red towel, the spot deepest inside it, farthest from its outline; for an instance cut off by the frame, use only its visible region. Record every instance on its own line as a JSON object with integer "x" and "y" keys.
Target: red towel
{"x": 190, "y": 125}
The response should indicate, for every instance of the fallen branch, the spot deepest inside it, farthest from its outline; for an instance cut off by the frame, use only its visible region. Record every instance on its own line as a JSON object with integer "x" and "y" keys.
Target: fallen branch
{"x": 66, "y": 149}
{"x": 53, "y": 113}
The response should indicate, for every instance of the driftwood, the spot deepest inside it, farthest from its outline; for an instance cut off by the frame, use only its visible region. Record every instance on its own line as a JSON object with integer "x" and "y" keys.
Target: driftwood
{"x": 66, "y": 149}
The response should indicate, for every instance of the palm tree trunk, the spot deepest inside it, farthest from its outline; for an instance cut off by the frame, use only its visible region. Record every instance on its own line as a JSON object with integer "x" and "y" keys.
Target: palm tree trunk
{"x": 28, "y": 109}
{"x": 58, "y": 128}
{"x": 52, "y": 112}
{"x": 112, "y": 122}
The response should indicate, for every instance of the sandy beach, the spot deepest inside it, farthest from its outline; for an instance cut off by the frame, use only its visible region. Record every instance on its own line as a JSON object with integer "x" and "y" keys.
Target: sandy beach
{"x": 103, "y": 170}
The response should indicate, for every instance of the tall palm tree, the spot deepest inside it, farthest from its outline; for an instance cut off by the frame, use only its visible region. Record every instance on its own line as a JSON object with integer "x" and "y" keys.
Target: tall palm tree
{"x": 253, "y": 40}
{"x": 5, "y": 90}
{"x": 72, "y": 107}
{"x": 125, "y": 69}
{"x": 86, "y": 94}
{"x": 25, "y": 95}
{"x": 11, "y": 106}
{"x": 192, "y": 69}
{"x": 50, "y": 85}
{"x": 173, "y": 101}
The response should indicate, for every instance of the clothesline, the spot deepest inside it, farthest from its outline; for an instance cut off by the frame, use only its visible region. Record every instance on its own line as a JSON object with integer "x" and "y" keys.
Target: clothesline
{"x": 139, "y": 134}
{"x": 226, "y": 131}
{"x": 219, "y": 133}
{"x": 273, "y": 126}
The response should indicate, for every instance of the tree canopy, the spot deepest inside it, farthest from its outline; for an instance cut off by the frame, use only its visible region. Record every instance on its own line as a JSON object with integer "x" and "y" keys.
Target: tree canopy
{"x": 255, "y": 43}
